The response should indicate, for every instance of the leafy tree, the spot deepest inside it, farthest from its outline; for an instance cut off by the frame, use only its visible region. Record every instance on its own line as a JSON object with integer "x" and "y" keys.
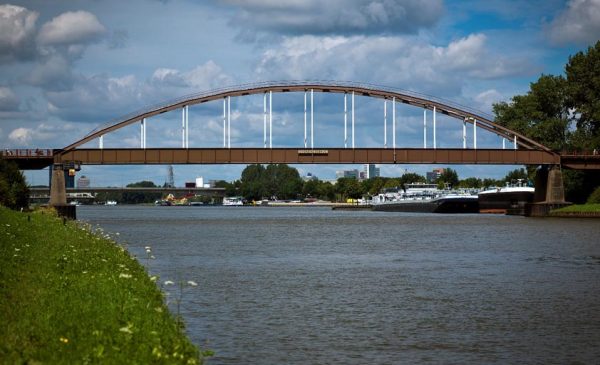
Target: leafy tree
{"x": 541, "y": 114}
{"x": 278, "y": 180}
{"x": 377, "y": 184}
{"x": 135, "y": 197}
{"x": 14, "y": 192}
{"x": 515, "y": 175}
{"x": 142, "y": 184}
{"x": 311, "y": 188}
{"x": 448, "y": 177}
{"x": 562, "y": 113}
{"x": 471, "y": 182}
{"x": 583, "y": 95}
{"x": 487, "y": 182}
{"x": 411, "y": 178}
{"x": 231, "y": 189}
{"x": 393, "y": 183}
{"x": 349, "y": 187}
{"x": 326, "y": 191}
{"x": 282, "y": 181}
{"x": 252, "y": 187}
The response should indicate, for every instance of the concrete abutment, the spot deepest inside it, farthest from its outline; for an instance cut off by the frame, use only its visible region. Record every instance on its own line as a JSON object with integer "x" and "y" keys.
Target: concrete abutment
{"x": 58, "y": 193}
{"x": 549, "y": 192}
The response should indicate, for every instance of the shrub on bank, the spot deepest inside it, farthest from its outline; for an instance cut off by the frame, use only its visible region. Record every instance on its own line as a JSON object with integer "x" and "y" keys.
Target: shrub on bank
{"x": 14, "y": 192}
{"x": 594, "y": 198}
{"x": 71, "y": 296}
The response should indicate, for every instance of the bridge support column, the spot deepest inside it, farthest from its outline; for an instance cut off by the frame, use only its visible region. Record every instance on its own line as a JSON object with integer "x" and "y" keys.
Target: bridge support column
{"x": 58, "y": 193}
{"x": 549, "y": 192}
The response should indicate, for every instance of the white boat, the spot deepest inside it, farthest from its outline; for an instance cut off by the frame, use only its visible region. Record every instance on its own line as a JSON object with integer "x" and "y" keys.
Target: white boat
{"x": 233, "y": 201}
{"x": 110, "y": 202}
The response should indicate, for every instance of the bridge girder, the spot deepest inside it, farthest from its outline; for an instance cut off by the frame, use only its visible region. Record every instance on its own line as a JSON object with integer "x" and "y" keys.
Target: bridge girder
{"x": 405, "y": 97}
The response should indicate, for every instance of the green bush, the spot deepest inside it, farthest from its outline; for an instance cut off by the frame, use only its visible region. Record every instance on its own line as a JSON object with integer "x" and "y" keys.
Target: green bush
{"x": 14, "y": 192}
{"x": 594, "y": 198}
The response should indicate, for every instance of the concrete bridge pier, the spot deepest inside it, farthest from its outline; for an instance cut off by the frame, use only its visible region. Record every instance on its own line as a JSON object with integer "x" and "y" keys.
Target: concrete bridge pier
{"x": 549, "y": 192}
{"x": 58, "y": 193}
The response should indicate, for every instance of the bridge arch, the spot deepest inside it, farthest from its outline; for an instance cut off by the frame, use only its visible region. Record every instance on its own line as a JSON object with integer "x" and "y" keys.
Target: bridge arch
{"x": 402, "y": 96}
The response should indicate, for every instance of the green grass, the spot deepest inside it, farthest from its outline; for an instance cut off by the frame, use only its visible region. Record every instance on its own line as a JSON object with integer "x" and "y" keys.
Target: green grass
{"x": 68, "y": 296}
{"x": 579, "y": 208}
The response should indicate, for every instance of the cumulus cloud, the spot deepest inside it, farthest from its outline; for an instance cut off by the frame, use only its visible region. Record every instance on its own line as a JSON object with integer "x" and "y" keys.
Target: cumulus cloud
{"x": 336, "y": 16}
{"x": 41, "y": 133}
{"x": 21, "y": 135}
{"x": 579, "y": 23}
{"x": 202, "y": 77}
{"x": 73, "y": 27}
{"x": 393, "y": 60}
{"x": 487, "y": 98}
{"x": 17, "y": 30}
{"x": 8, "y": 100}
{"x": 101, "y": 98}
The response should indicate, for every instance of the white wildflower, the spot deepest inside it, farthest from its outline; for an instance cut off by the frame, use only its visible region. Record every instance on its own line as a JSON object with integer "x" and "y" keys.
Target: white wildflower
{"x": 123, "y": 275}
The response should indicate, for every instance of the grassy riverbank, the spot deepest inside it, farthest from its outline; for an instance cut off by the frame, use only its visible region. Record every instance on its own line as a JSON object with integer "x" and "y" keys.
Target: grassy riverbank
{"x": 70, "y": 296}
{"x": 584, "y": 210}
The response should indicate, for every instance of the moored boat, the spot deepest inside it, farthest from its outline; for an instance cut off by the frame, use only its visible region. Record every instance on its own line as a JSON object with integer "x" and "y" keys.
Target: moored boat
{"x": 233, "y": 201}
{"x": 425, "y": 198}
{"x": 505, "y": 200}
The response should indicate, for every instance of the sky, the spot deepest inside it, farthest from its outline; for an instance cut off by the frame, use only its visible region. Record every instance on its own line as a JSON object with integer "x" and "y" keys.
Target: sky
{"x": 69, "y": 66}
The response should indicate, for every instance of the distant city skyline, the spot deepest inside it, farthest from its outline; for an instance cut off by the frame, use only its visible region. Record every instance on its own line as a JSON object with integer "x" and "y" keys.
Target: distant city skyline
{"x": 68, "y": 67}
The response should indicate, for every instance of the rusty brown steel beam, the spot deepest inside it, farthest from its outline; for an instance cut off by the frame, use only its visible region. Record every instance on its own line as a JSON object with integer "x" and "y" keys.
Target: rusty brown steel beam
{"x": 581, "y": 162}
{"x": 309, "y": 156}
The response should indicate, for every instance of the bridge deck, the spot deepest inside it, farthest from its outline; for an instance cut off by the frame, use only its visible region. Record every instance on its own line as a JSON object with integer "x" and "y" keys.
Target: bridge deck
{"x": 128, "y": 156}
{"x": 309, "y": 156}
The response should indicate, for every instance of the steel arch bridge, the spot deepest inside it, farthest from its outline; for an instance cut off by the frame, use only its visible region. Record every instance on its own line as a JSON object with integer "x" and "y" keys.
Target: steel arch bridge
{"x": 467, "y": 115}
{"x": 525, "y": 151}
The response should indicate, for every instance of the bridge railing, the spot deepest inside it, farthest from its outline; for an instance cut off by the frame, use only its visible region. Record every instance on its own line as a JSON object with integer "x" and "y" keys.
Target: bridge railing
{"x": 582, "y": 153}
{"x": 267, "y": 84}
{"x": 26, "y": 153}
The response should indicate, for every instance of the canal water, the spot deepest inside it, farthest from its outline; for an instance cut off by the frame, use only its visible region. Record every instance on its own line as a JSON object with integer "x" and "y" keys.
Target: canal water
{"x": 316, "y": 286}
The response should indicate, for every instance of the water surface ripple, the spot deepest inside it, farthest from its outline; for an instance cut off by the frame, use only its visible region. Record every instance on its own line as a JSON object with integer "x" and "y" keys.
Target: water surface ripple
{"x": 315, "y": 286}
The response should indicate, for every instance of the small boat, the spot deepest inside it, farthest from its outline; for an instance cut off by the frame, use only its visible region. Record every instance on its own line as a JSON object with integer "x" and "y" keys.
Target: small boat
{"x": 233, "y": 201}
{"x": 110, "y": 202}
